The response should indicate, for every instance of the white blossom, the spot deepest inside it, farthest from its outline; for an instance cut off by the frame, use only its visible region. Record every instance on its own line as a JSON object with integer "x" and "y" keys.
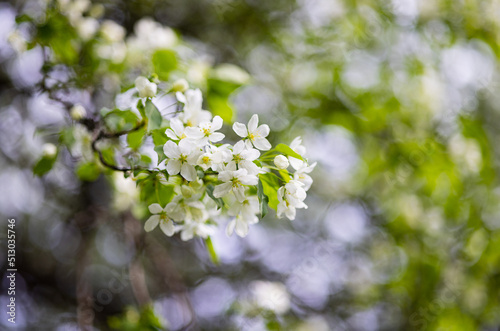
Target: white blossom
{"x": 181, "y": 158}
{"x": 146, "y": 88}
{"x": 49, "y": 150}
{"x": 297, "y": 147}
{"x": 160, "y": 216}
{"x": 243, "y": 157}
{"x": 112, "y": 31}
{"x": 193, "y": 114}
{"x": 235, "y": 181}
{"x": 115, "y": 52}
{"x": 301, "y": 175}
{"x": 77, "y": 112}
{"x": 290, "y": 197}
{"x": 281, "y": 162}
{"x": 272, "y": 296}
{"x": 245, "y": 213}
{"x": 17, "y": 41}
{"x": 180, "y": 85}
{"x": 212, "y": 158}
{"x": 255, "y": 135}
{"x": 176, "y": 130}
{"x": 151, "y": 35}
{"x": 205, "y": 132}
{"x": 87, "y": 27}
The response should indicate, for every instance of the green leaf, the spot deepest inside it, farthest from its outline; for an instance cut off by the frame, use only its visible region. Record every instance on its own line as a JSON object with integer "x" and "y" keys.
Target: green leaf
{"x": 285, "y": 175}
{"x": 145, "y": 159}
{"x": 153, "y": 115}
{"x": 164, "y": 61}
{"x": 134, "y": 139}
{"x": 44, "y": 165}
{"x": 23, "y": 18}
{"x": 62, "y": 44}
{"x": 221, "y": 106}
{"x": 287, "y": 151}
{"x": 165, "y": 193}
{"x": 264, "y": 200}
{"x": 161, "y": 154}
{"x": 270, "y": 186}
{"x": 211, "y": 251}
{"x": 120, "y": 120}
{"x": 221, "y": 87}
{"x": 218, "y": 201}
{"x": 140, "y": 108}
{"x": 159, "y": 137}
{"x": 89, "y": 171}
{"x": 66, "y": 137}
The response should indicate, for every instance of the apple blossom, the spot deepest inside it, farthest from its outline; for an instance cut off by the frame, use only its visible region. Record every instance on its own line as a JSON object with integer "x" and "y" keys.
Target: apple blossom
{"x": 78, "y": 112}
{"x": 205, "y": 132}
{"x": 235, "y": 181}
{"x": 255, "y": 135}
{"x": 291, "y": 196}
{"x": 160, "y": 216}
{"x": 243, "y": 157}
{"x": 245, "y": 213}
{"x": 281, "y": 162}
{"x": 146, "y": 88}
{"x": 176, "y": 130}
{"x": 181, "y": 158}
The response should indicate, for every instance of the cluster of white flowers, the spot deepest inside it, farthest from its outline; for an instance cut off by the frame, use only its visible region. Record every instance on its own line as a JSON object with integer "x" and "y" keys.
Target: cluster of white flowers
{"x": 213, "y": 171}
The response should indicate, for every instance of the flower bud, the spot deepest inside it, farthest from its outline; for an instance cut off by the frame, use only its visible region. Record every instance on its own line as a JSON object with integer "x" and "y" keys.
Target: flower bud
{"x": 180, "y": 85}
{"x": 145, "y": 87}
{"x": 49, "y": 150}
{"x": 77, "y": 112}
{"x": 281, "y": 162}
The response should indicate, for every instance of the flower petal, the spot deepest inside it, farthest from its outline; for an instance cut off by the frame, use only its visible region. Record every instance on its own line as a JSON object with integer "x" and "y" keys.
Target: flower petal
{"x": 171, "y": 150}
{"x": 222, "y": 189}
{"x": 185, "y": 146}
{"x": 238, "y": 147}
{"x": 155, "y": 208}
{"x": 240, "y": 129}
{"x": 230, "y": 228}
{"x": 216, "y": 123}
{"x": 167, "y": 227}
{"x": 194, "y": 133}
{"x": 239, "y": 193}
{"x": 225, "y": 176}
{"x": 180, "y": 97}
{"x": 151, "y": 223}
{"x": 173, "y": 167}
{"x": 263, "y": 130}
{"x": 177, "y": 126}
{"x": 171, "y": 134}
{"x": 188, "y": 172}
{"x": 216, "y": 136}
{"x": 250, "y": 154}
{"x": 262, "y": 144}
{"x": 249, "y": 180}
{"x": 241, "y": 228}
{"x": 252, "y": 124}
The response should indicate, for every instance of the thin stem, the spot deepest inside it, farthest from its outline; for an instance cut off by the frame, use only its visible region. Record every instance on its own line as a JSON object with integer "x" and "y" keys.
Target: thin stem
{"x": 157, "y": 192}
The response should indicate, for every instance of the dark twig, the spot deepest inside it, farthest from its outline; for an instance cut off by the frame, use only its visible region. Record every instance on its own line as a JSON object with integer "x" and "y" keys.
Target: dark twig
{"x": 110, "y": 135}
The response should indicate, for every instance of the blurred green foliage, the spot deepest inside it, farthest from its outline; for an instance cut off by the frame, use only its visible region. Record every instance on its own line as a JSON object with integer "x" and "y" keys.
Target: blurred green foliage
{"x": 426, "y": 140}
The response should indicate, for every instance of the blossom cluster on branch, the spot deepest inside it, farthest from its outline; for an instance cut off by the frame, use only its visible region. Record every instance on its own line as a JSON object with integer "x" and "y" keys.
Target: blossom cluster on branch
{"x": 214, "y": 177}
{"x": 184, "y": 170}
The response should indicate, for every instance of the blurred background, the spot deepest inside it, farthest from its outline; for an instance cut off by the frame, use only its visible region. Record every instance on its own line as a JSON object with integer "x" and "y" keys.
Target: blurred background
{"x": 397, "y": 101}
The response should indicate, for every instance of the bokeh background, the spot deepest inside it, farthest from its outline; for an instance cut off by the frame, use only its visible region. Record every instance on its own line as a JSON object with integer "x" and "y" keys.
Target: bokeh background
{"x": 398, "y": 103}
